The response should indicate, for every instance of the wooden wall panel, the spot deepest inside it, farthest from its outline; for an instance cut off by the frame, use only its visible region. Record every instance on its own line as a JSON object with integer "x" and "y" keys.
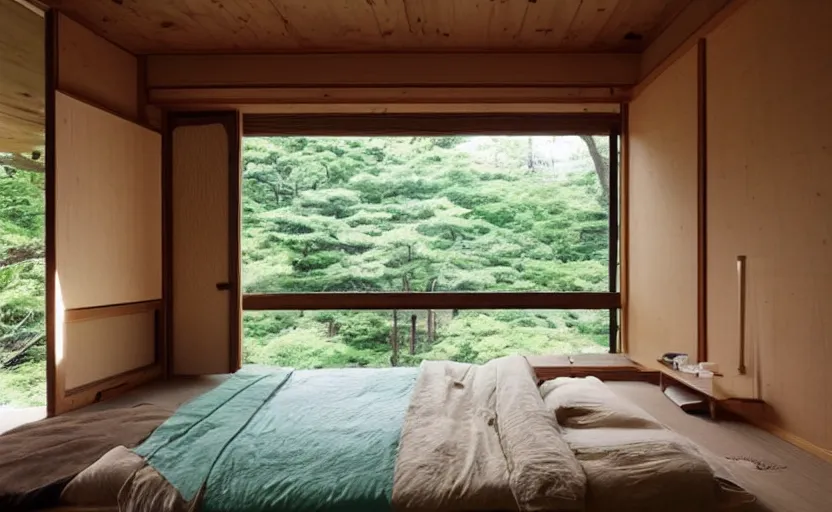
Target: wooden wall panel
{"x": 108, "y": 207}
{"x": 104, "y": 347}
{"x": 662, "y": 202}
{"x": 96, "y": 70}
{"x": 200, "y": 249}
{"x": 770, "y": 198}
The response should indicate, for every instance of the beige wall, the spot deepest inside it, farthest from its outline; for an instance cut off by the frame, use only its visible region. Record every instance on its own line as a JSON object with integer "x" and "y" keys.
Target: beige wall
{"x": 770, "y": 198}
{"x": 662, "y": 293}
{"x": 107, "y": 240}
{"x": 101, "y": 348}
{"x": 108, "y": 207}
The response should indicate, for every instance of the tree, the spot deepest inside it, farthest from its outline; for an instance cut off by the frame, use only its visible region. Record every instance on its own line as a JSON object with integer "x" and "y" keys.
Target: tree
{"x": 22, "y": 278}
{"x": 600, "y": 162}
{"x": 426, "y": 214}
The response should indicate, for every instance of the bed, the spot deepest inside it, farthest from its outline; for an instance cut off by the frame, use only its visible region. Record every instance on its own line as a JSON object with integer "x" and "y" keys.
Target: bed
{"x": 445, "y": 436}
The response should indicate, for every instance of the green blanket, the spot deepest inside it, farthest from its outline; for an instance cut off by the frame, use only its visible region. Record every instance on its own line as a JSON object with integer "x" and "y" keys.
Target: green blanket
{"x": 288, "y": 440}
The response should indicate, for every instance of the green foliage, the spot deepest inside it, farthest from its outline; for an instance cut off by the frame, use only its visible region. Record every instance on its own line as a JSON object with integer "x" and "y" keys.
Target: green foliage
{"x": 421, "y": 214}
{"x": 22, "y": 287}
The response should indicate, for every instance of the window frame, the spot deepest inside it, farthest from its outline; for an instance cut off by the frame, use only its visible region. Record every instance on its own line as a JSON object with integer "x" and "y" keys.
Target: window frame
{"x": 351, "y": 125}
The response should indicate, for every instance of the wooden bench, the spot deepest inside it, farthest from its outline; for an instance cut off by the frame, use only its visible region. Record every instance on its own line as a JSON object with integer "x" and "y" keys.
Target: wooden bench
{"x": 708, "y": 388}
{"x": 602, "y": 366}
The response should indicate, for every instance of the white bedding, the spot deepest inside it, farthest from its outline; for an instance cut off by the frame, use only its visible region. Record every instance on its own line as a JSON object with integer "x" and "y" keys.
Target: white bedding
{"x": 631, "y": 461}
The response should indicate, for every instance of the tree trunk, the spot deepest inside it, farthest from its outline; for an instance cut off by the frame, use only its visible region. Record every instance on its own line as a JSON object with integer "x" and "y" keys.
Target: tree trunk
{"x": 530, "y": 156}
{"x": 22, "y": 163}
{"x": 602, "y": 164}
{"x": 394, "y": 340}
{"x": 431, "y": 315}
{"x": 412, "y": 335}
{"x": 15, "y": 255}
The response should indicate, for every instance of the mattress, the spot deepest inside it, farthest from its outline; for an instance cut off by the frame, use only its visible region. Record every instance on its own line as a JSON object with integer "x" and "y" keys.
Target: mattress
{"x": 442, "y": 437}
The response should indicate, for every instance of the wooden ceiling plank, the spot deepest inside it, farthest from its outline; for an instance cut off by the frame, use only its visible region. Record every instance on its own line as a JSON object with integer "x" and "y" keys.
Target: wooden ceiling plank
{"x": 588, "y": 22}
{"x": 262, "y": 29}
{"x": 547, "y": 23}
{"x": 180, "y": 26}
{"x": 22, "y": 117}
{"x": 391, "y": 22}
{"x": 644, "y": 18}
{"x": 506, "y": 19}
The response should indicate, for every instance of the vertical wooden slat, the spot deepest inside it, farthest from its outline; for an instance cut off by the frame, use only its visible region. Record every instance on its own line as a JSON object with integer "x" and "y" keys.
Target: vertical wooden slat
{"x": 235, "y": 176}
{"x": 613, "y": 234}
{"x": 702, "y": 196}
{"x": 167, "y": 244}
{"x": 624, "y": 252}
{"x": 51, "y": 68}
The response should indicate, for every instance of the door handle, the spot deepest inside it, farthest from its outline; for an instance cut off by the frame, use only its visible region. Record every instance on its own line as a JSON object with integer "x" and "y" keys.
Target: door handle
{"x": 223, "y": 286}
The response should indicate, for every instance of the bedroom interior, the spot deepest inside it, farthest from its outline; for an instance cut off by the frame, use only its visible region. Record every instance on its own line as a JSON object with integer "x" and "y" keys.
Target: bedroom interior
{"x": 720, "y": 199}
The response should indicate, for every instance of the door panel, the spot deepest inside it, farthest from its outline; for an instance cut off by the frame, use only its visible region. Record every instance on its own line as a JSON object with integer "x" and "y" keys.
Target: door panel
{"x": 205, "y": 268}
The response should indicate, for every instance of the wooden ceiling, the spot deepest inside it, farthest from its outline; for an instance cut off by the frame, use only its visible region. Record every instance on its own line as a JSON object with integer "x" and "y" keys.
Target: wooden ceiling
{"x": 21, "y": 79}
{"x": 173, "y": 26}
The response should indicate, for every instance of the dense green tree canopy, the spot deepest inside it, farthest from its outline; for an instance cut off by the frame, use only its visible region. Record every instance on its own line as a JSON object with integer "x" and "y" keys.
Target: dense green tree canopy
{"x": 423, "y": 214}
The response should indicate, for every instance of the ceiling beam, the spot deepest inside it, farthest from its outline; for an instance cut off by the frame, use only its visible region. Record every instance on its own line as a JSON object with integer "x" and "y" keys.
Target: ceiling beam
{"x": 35, "y": 6}
{"x": 298, "y": 100}
{"x": 393, "y": 70}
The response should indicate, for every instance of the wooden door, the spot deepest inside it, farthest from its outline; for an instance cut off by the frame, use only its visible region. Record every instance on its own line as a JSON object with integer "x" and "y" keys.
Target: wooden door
{"x": 204, "y": 243}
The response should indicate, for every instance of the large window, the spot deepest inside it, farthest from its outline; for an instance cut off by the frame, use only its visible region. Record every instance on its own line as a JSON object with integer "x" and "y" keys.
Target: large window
{"x": 492, "y": 236}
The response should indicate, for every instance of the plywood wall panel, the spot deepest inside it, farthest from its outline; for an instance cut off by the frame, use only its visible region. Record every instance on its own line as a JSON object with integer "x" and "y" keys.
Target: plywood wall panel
{"x": 200, "y": 249}
{"x": 96, "y": 70}
{"x": 770, "y": 198}
{"x": 101, "y": 348}
{"x": 661, "y": 312}
{"x": 108, "y": 207}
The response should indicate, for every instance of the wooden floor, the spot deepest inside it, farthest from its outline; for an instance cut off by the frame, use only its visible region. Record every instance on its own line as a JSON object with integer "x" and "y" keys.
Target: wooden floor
{"x": 791, "y": 480}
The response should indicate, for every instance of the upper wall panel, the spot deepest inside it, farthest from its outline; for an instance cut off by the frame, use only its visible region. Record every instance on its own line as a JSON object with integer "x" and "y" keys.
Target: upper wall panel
{"x": 108, "y": 207}
{"x": 662, "y": 297}
{"x": 96, "y": 70}
{"x": 390, "y": 25}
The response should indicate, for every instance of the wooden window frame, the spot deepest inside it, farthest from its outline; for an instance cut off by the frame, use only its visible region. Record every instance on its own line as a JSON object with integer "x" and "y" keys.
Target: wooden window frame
{"x": 275, "y": 125}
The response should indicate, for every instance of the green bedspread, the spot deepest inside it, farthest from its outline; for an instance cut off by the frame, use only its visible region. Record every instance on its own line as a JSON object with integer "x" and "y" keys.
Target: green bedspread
{"x": 279, "y": 440}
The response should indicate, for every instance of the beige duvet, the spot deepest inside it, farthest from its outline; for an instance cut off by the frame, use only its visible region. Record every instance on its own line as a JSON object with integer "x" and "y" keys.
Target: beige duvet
{"x": 484, "y": 437}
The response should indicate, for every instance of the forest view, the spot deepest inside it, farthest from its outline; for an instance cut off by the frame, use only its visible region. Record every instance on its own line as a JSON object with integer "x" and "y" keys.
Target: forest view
{"x": 22, "y": 285}
{"x": 369, "y": 214}
{"x": 423, "y": 214}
